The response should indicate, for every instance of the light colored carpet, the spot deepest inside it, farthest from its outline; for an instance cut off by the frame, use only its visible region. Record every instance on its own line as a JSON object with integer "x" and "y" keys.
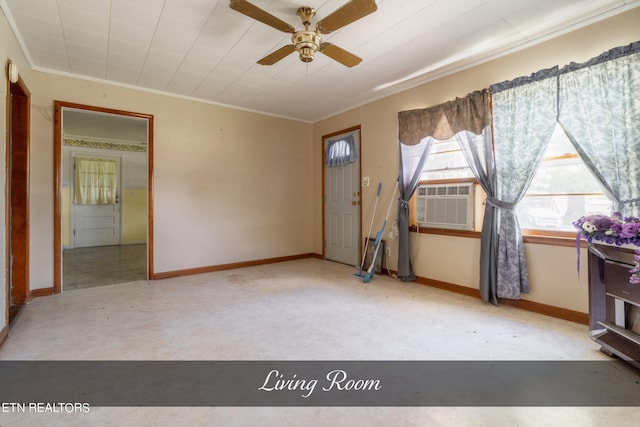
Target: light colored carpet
{"x": 299, "y": 310}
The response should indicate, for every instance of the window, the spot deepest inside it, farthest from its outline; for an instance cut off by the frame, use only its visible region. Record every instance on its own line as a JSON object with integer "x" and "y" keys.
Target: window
{"x": 340, "y": 152}
{"x": 446, "y": 161}
{"x": 95, "y": 181}
{"x": 562, "y": 190}
{"x": 445, "y": 169}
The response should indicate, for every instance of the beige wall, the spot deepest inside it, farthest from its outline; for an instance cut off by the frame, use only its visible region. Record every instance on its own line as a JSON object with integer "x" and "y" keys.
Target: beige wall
{"x": 229, "y": 185}
{"x": 134, "y": 215}
{"x": 553, "y": 278}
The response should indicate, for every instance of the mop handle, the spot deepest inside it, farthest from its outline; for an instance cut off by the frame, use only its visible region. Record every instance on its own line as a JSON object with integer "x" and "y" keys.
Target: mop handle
{"x": 366, "y": 245}
{"x": 379, "y": 235}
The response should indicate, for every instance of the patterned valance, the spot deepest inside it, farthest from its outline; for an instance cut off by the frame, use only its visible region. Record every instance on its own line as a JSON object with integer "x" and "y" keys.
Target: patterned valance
{"x": 445, "y": 120}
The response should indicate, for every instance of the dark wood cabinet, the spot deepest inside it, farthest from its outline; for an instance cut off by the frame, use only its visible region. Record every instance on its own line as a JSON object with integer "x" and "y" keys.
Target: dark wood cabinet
{"x": 614, "y": 303}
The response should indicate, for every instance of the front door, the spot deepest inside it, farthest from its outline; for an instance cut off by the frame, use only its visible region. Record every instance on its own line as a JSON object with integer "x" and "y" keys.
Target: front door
{"x": 97, "y": 224}
{"x": 342, "y": 202}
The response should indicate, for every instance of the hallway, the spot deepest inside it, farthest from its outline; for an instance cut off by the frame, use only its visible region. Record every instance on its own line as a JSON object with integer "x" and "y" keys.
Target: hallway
{"x": 103, "y": 265}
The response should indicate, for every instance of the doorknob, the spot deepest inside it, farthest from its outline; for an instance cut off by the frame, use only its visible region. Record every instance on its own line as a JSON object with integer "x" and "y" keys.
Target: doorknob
{"x": 355, "y": 202}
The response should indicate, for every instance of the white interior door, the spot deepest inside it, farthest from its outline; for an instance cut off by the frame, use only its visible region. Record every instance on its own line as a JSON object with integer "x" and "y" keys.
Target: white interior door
{"x": 342, "y": 208}
{"x": 97, "y": 225}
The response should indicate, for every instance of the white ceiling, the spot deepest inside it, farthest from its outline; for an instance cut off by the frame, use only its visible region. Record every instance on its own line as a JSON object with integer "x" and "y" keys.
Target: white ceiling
{"x": 202, "y": 49}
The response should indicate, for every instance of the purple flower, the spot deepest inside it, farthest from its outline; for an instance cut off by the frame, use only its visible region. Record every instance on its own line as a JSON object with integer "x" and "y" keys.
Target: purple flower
{"x": 630, "y": 229}
{"x": 614, "y": 230}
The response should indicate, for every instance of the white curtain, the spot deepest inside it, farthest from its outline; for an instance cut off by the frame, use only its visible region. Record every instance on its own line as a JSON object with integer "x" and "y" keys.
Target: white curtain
{"x": 95, "y": 182}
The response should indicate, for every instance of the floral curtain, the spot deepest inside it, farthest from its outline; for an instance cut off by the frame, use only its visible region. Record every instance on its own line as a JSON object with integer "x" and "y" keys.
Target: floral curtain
{"x": 599, "y": 109}
{"x": 524, "y": 116}
{"x": 417, "y": 130}
{"x": 340, "y": 152}
{"x": 95, "y": 181}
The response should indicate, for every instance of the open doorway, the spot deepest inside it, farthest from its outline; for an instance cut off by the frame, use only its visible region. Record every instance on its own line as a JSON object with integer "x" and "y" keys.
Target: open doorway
{"x": 17, "y": 198}
{"x": 102, "y": 224}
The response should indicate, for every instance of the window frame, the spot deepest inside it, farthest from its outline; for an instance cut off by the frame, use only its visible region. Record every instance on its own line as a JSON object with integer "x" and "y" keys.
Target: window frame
{"x": 415, "y": 227}
{"x": 554, "y": 237}
{"x": 533, "y": 236}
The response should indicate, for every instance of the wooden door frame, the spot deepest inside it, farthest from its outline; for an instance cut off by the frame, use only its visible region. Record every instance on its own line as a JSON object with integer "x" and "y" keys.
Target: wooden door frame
{"x": 57, "y": 184}
{"x": 322, "y": 141}
{"x": 17, "y": 197}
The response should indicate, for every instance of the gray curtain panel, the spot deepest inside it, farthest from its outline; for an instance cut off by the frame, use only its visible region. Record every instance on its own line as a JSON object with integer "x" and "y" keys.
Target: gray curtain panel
{"x": 599, "y": 109}
{"x": 412, "y": 159}
{"x": 478, "y": 150}
{"x": 524, "y": 116}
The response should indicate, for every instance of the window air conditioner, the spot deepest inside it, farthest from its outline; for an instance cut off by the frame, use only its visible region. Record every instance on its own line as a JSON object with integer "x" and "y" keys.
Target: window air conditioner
{"x": 445, "y": 206}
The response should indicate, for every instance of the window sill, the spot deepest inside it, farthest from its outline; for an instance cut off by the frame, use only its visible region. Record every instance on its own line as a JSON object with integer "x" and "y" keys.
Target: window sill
{"x": 445, "y": 232}
{"x": 566, "y": 239}
{"x": 558, "y": 238}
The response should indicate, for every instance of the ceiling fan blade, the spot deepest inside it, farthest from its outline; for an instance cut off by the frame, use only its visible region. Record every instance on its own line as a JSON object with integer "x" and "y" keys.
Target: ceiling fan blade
{"x": 348, "y": 13}
{"x": 338, "y": 54}
{"x": 276, "y": 56}
{"x": 258, "y": 14}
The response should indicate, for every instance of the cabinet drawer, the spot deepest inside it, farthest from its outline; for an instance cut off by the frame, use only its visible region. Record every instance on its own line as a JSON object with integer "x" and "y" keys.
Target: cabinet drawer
{"x": 617, "y": 282}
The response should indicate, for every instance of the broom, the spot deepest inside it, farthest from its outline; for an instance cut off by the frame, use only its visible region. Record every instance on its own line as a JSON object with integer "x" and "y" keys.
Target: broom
{"x": 367, "y": 277}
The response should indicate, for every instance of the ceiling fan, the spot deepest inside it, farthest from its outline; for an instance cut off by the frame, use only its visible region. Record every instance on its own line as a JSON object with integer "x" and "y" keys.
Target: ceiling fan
{"x": 307, "y": 42}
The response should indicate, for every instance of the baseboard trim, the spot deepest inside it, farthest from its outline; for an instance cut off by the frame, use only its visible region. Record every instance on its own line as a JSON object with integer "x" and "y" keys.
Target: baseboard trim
{"x": 549, "y": 310}
{"x": 536, "y": 307}
{"x": 43, "y": 292}
{"x": 230, "y": 266}
{"x": 4, "y": 334}
{"x": 458, "y": 289}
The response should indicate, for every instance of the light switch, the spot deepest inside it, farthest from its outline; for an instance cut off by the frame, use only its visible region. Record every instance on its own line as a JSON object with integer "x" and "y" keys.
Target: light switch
{"x": 365, "y": 181}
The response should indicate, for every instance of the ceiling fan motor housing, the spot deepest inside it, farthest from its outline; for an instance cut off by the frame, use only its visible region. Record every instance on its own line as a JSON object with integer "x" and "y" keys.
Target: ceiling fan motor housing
{"x": 306, "y": 43}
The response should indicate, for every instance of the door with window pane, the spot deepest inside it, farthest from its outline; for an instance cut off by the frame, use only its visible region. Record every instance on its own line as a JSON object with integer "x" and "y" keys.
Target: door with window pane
{"x": 96, "y": 224}
{"x": 342, "y": 207}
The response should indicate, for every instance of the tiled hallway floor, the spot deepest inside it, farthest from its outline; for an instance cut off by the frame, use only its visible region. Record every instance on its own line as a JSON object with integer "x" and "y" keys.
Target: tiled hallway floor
{"x": 103, "y": 265}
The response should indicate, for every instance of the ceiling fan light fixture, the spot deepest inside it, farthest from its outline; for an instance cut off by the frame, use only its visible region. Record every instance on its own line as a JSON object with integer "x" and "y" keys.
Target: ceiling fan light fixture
{"x": 306, "y": 43}
{"x": 306, "y": 54}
